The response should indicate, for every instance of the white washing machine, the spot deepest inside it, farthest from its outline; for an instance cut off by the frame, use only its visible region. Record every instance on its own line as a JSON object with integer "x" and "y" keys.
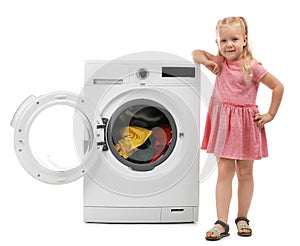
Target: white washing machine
{"x": 137, "y": 141}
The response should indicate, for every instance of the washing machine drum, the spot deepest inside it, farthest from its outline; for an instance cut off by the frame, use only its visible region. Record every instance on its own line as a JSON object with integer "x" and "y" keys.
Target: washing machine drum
{"x": 142, "y": 134}
{"x": 146, "y": 117}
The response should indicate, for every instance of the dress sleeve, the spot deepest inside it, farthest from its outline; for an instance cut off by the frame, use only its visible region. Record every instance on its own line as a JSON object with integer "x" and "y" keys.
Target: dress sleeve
{"x": 258, "y": 71}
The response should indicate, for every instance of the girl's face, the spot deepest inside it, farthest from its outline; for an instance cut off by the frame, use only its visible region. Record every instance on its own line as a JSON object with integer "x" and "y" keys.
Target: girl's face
{"x": 231, "y": 42}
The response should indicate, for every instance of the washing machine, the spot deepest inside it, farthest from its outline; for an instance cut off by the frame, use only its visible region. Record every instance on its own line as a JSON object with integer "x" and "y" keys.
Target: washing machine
{"x": 136, "y": 139}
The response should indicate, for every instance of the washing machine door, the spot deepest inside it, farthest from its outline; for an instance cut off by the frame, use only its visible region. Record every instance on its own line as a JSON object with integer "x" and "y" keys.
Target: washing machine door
{"x": 55, "y": 139}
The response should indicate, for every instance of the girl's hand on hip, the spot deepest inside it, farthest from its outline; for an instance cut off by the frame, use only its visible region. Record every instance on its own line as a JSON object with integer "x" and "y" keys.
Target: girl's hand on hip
{"x": 261, "y": 120}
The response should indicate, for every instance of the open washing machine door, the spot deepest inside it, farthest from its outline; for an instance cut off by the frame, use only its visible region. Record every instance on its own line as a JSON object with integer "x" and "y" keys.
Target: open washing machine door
{"x": 55, "y": 138}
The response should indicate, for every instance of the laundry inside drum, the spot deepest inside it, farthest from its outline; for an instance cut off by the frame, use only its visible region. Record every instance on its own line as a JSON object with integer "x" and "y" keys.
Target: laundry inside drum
{"x": 142, "y": 133}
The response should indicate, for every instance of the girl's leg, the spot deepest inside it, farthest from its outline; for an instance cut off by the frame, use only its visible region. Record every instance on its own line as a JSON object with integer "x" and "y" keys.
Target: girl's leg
{"x": 244, "y": 170}
{"x": 226, "y": 171}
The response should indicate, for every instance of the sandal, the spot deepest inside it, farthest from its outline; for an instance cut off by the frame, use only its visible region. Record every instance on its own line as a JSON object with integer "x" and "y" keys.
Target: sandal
{"x": 217, "y": 232}
{"x": 241, "y": 227}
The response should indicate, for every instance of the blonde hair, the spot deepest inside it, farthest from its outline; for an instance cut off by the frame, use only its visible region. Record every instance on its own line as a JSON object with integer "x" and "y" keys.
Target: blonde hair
{"x": 247, "y": 53}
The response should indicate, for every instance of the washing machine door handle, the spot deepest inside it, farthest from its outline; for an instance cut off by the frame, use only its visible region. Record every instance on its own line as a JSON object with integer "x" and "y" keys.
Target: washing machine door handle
{"x": 24, "y": 121}
{"x": 101, "y": 134}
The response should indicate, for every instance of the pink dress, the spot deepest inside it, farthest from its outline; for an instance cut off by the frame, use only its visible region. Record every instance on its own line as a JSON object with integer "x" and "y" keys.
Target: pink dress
{"x": 230, "y": 131}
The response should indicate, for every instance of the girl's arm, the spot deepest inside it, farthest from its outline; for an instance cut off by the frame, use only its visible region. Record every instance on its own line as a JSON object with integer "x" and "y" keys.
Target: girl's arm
{"x": 208, "y": 60}
{"x": 277, "y": 91}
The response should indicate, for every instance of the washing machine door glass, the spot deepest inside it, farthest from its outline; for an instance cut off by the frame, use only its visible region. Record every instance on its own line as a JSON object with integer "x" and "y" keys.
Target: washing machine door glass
{"x": 54, "y": 137}
{"x": 142, "y": 134}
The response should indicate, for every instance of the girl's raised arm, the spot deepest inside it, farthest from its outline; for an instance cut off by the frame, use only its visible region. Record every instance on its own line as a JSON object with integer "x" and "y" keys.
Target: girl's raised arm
{"x": 208, "y": 60}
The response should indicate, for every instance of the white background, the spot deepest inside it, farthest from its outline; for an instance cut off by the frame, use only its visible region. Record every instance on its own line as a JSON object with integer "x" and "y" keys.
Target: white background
{"x": 43, "y": 45}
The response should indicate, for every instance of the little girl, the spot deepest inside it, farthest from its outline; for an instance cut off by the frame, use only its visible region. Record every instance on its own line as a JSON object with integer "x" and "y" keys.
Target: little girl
{"x": 234, "y": 130}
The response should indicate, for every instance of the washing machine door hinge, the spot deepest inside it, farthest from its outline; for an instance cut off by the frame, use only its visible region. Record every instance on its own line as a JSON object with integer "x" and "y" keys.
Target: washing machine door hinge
{"x": 101, "y": 134}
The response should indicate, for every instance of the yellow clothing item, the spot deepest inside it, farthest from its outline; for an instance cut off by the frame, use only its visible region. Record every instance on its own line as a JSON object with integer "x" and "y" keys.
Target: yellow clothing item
{"x": 132, "y": 137}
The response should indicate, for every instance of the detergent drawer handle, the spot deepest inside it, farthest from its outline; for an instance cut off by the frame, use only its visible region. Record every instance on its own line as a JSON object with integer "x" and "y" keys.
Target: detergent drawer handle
{"x": 101, "y": 134}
